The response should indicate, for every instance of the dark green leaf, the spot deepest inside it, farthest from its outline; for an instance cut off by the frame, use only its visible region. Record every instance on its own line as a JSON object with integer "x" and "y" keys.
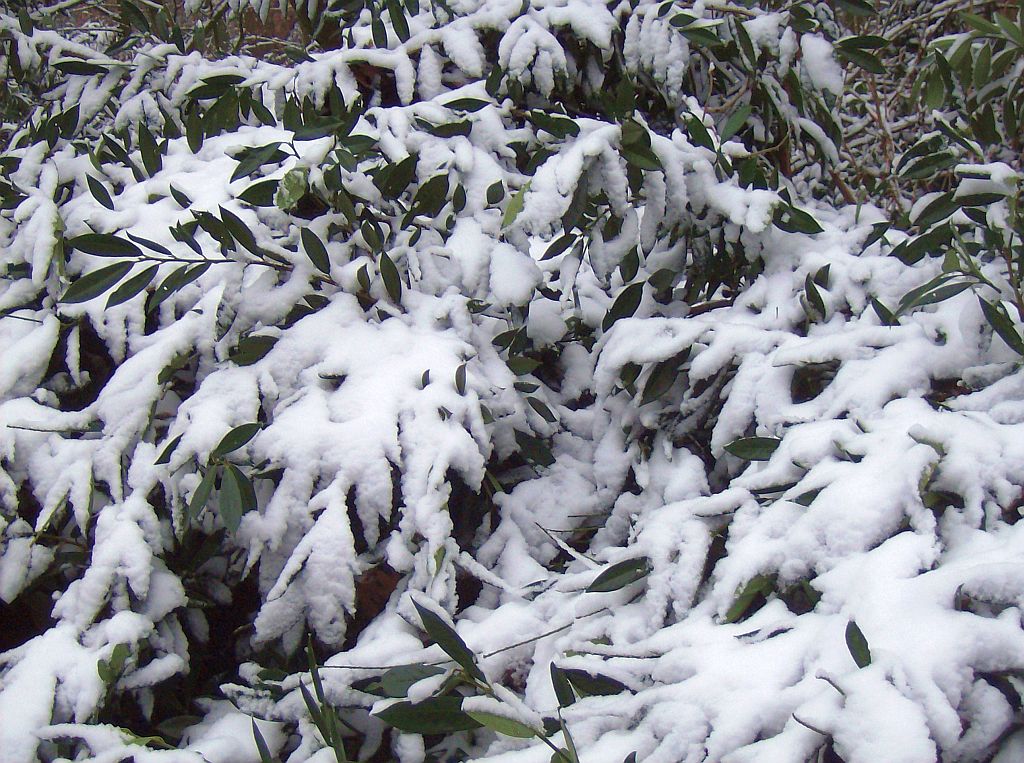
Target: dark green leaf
{"x": 792, "y": 220}
{"x": 451, "y": 642}
{"x": 237, "y": 497}
{"x": 254, "y": 158}
{"x": 501, "y": 724}
{"x": 260, "y": 194}
{"x": 756, "y": 586}
{"x": 79, "y": 67}
{"x": 460, "y": 379}
{"x": 542, "y": 409}
{"x": 202, "y": 493}
{"x": 240, "y": 231}
{"x": 858, "y": 645}
{"x": 558, "y": 246}
{"x": 936, "y": 210}
{"x": 856, "y": 7}
{"x": 735, "y": 122}
{"x": 392, "y": 280}
{"x": 495, "y": 193}
{"x": 104, "y": 245}
{"x": 624, "y": 305}
{"x": 261, "y": 744}
{"x": 150, "y": 244}
{"x": 96, "y": 282}
{"x": 235, "y": 439}
{"x": 753, "y": 448}
{"x": 252, "y": 348}
{"x": 183, "y": 201}
{"x": 620, "y": 575}
{"x": 661, "y": 379}
{"x": 1000, "y": 322}
{"x": 521, "y": 365}
{"x": 151, "y": 157}
{"x": 316, "y": 251}
{"x": 165, "y": 454}
{"x": 132, "y": 286}
{"x": 563, "y": 691}
{"x": 466, "y": 104}
{"x": 593, "y": 684}
{"x": 434, "y": 715}
{"x": 396, "y": 681}
{"x": 177, "y": 280}
{"x": 99, "y": 192}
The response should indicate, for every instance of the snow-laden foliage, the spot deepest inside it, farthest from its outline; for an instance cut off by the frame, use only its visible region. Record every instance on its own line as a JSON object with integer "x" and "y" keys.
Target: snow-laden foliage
{"x": 492, "y": 386}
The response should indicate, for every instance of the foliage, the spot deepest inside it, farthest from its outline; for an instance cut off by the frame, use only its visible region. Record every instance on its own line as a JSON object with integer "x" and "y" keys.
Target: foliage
{"x": 417, "y": 385}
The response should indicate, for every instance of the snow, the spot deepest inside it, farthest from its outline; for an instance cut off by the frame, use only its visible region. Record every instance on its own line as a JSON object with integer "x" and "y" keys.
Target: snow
{"x": 391, "y": 439}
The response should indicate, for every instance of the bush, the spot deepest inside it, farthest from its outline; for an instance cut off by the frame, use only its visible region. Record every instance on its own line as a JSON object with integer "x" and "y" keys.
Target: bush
{"x": 462, "y": 380}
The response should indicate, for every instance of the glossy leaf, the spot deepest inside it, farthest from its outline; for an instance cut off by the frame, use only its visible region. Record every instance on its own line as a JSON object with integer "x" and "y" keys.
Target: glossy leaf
{"x": 620, "y": 575}
{"x": 95, "y": 282}
{"x": 434, "y": 715}
{"x": 753, "y": 448}
{"x": 858, "y": 645}
{"x": 451, "y": 642}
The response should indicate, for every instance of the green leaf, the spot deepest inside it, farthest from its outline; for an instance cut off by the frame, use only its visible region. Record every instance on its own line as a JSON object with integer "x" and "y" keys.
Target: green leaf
{"x": 176, "y": 281}
{"x": 104, "y": 245}
{"x": 261, "y": 744}
{"x": 165, "y": 454}
{"x": 183, "y": 201}
{"x": 593, "y": 684}
{"x": 398, "y": 22}
{"x": 99, "y": 192}
{"x": 753, "y": 448}
{"x": 735, "y": 122}
{"x": 254, "y": 158}
{"x": 661, "y": 379}
{"x": 132, "y": 286}
{"x": 202, "y": 493}
{"x": 501, "y": 724}
{"x": 451, "y": 642}
{"x": 620, "y": 575}
{"x": 542, "y": 409}
{"x": 858, "y": 645}
{"x": 316, "y": 251}
{"x": 151, "y": 158}
{"x": 521, "y": 365}
{"x": 866, "y": 61}
{"x": 235, "y": 439}
{"x": 396, "y": 681}
{"x": 434, "y": 715}
{"x": 756, "y": 586}
{"x": 936, "y": 210}
{"x": 251, "y": 349}
{"x": 260, "y": 194}
{"x": 392, "y": 280}
{"x": 792, "y": 220}
{"x": 293, "y": 186}
{"x": 515, "y": 206}
{"x": 466, "y": 104}
{"x": 624, "y": 305}
{"x": 150, "y": 244}
{"x": 1000, "y": 322}
{"x": 856, "y": 7}
{"x": 79, "y": 67}
{"x": 237, "y": 497}
{"x": 460, "y": 379}
{"x": 95, "y": 282}
{"x": 495, "y": 193}
{"x": 240, "y": 231}
{"x": 558, "y": 246}
{"x": 563, "y": 690}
